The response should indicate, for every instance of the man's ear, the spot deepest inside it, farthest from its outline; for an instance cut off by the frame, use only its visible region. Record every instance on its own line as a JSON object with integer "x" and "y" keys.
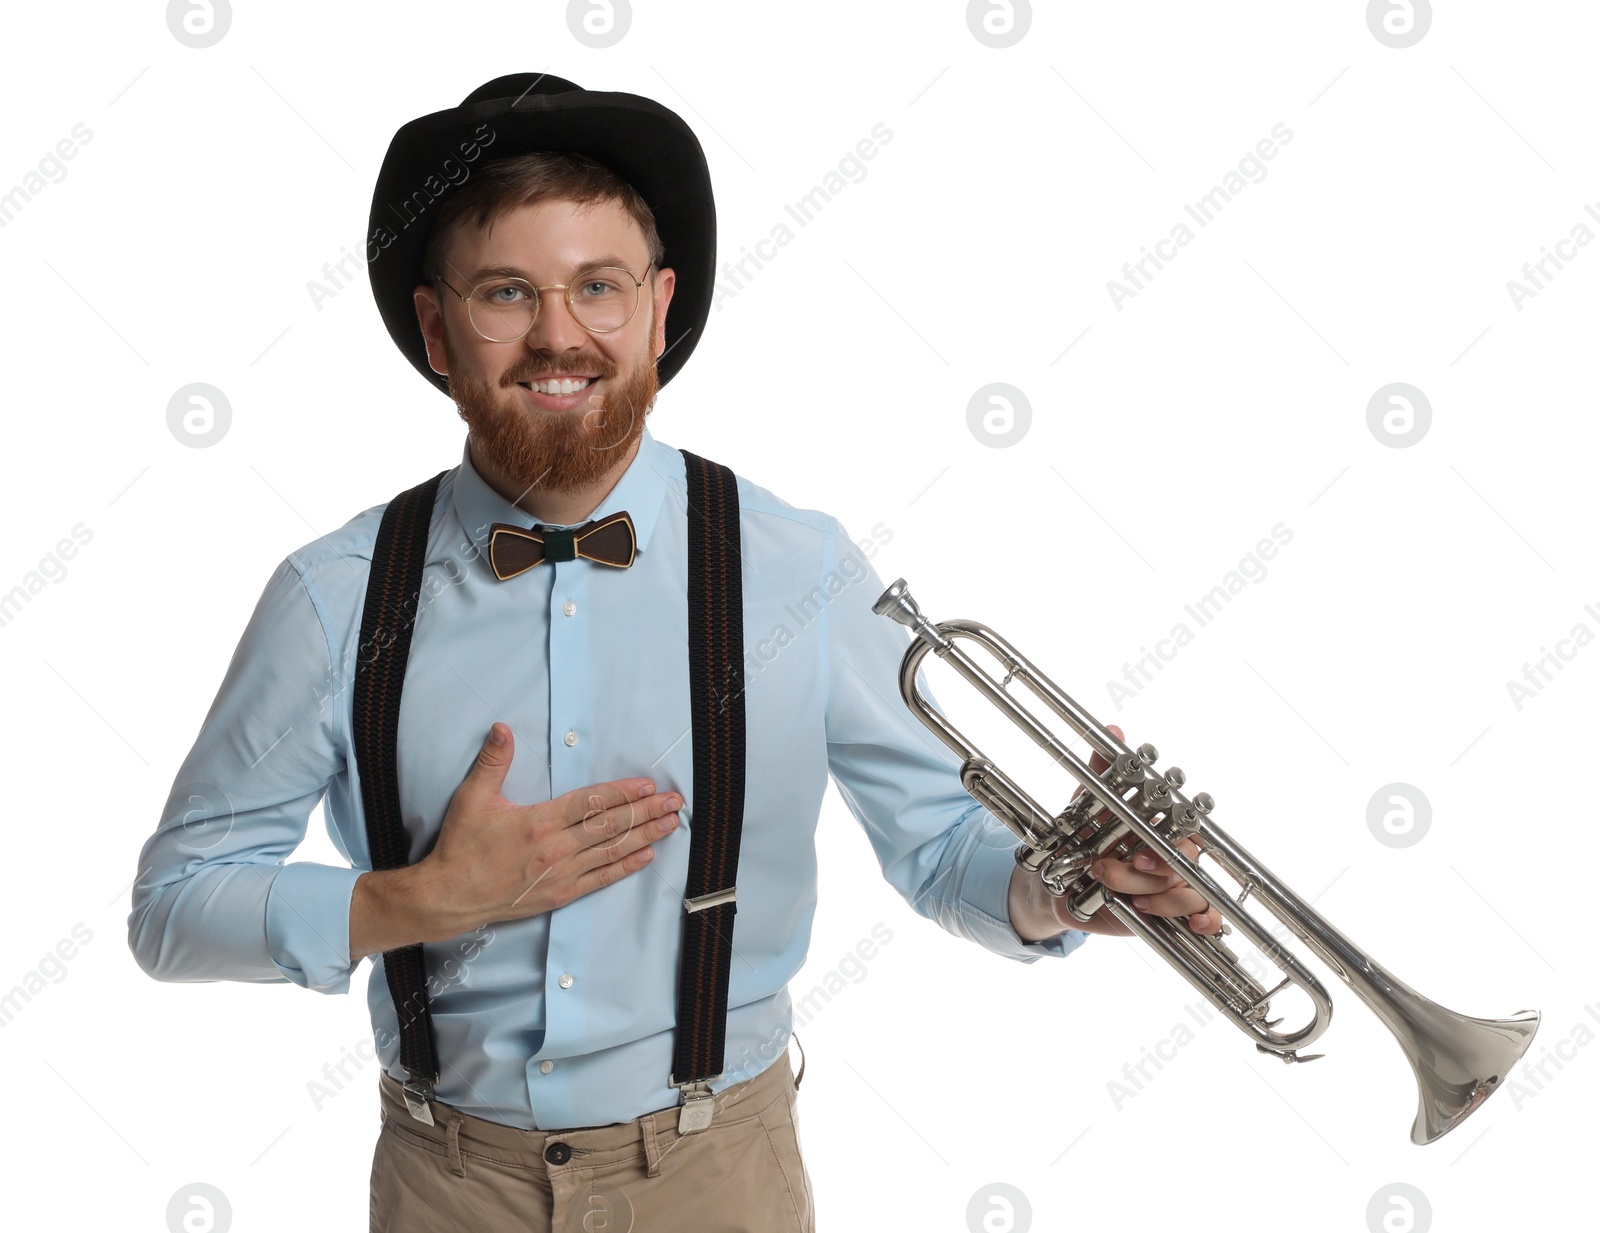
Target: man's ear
{"x": 430, "y": 319}
{"x": 665, "y": 280}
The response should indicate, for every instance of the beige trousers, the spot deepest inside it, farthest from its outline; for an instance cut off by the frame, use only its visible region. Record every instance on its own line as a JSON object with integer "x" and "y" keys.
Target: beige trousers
{"x": 742, "y": 1174}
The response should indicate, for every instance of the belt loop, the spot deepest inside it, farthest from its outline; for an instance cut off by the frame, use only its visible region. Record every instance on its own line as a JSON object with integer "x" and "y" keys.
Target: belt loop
{"x": 802, "y": 1049}
{"x": 652, "y": 1149}
{"x": 452, "y": 1136}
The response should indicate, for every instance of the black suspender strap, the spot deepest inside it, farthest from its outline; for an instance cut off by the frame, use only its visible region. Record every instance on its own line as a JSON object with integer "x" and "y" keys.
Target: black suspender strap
{"x": 716, "y": 697}
{"x": 390, "y": 610}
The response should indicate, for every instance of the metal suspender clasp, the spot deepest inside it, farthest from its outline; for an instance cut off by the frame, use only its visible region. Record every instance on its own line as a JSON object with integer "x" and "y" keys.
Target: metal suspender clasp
{"x": 713, "y": 899}
{"x": 417, "y": 1093}
{"x": 698, "y": 1104}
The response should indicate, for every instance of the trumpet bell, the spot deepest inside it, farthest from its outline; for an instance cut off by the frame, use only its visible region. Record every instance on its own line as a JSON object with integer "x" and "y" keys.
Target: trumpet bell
{"x": 1459, "y": 1061}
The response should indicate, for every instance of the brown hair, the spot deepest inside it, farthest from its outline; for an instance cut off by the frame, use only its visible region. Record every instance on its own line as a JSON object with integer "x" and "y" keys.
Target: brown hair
{"x": 524, "y": 179}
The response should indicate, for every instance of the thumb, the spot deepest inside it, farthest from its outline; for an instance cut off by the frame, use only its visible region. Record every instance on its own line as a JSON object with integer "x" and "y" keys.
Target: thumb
{"x": 488, "y": 772}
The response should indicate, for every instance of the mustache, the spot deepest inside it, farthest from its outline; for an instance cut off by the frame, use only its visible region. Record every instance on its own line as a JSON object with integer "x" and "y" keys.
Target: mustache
{"x": 537, "y": 366}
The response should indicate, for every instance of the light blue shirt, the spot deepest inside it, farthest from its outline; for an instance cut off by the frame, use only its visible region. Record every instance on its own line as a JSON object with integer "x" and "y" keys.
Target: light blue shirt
{"x": 564, "y": 1019}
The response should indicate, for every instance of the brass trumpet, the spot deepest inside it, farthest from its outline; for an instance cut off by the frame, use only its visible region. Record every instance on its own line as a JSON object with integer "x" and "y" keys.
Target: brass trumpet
{"x": 1458, "y": 1061}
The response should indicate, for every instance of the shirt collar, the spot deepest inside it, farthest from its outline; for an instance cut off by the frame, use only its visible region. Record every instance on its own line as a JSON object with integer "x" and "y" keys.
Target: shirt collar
{"x": 640, "y": 491}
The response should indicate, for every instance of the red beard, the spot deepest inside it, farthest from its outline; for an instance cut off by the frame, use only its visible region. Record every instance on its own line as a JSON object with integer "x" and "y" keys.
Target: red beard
{"x": 558, "y": 451}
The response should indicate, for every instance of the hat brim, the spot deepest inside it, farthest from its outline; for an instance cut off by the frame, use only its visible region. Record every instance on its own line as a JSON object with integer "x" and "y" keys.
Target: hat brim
{"x": 643, "y": 142}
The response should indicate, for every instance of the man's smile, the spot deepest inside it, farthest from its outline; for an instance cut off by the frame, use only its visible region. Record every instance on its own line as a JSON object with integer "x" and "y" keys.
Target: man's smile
{"x": 557, "y": 385}
{"x": 559, "y": 393}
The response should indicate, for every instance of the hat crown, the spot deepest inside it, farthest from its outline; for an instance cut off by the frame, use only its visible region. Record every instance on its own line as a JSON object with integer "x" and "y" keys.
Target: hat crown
{"x": 517, "y": 85}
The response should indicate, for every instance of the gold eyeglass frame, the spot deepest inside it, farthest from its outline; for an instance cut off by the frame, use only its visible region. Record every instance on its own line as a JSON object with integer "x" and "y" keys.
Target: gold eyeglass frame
{"x": 538, "y": 298}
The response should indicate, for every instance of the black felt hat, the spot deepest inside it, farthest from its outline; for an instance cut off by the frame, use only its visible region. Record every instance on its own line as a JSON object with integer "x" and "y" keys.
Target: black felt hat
{"x": 646, "y": 144}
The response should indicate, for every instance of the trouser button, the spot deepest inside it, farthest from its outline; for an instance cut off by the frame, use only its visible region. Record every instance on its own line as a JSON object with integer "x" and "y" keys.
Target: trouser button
{"x": 558, "y": 1153}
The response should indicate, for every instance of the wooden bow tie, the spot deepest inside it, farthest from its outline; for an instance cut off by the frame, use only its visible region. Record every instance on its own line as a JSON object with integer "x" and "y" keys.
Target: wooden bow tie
{"x": 514, "y": 549}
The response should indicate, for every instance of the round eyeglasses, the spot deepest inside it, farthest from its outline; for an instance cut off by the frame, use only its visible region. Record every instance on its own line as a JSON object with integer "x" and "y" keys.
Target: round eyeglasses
{"x": 602, "y": 299}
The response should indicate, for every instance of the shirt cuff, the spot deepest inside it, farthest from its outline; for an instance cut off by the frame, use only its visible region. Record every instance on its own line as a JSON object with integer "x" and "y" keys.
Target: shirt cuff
{"x": 308, "y": 924}
{"x": 985, "y": 892}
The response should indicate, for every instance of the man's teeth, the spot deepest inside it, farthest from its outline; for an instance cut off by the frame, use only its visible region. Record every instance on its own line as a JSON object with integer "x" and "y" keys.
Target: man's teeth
{"x": 559, "y": 385}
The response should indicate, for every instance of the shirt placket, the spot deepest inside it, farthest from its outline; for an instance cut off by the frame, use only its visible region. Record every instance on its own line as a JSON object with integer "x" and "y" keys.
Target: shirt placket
{"x": 571, "y": 744}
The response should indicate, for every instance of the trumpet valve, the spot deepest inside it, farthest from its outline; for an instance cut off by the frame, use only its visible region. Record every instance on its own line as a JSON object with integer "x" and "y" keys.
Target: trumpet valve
{"x": 1126, "y": 770}
{"x": 1187, "y": 819}
{"x": 1154, "y": 795}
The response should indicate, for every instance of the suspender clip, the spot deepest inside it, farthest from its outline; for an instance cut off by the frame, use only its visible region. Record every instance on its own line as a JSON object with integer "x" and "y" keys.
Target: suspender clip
{"x": 417, "y": 1093}
{"x": 698, "y": 1104}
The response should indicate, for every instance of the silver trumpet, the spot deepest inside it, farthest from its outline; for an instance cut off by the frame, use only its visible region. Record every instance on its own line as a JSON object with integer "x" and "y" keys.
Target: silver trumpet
{"x": 1458, "y": 1061}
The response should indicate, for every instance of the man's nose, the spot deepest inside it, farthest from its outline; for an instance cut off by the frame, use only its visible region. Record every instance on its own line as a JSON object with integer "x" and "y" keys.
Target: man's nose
{"x": 555, "y": 328}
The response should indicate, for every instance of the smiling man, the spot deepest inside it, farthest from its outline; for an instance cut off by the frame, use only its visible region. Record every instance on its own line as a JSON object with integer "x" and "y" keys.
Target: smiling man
{"x": 584, "y": 846}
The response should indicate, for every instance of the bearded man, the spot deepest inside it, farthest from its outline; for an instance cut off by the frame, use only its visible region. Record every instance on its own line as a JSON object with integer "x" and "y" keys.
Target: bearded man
{"x": 608, "y": 713}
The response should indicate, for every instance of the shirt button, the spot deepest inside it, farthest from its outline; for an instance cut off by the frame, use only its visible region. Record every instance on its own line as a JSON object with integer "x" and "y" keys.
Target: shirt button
{"x": 571, "y": 739}
{"x": 558, "y": 1153}
{"x": 570, "y": 608}
{"x": 546, "y": 1067}
{"x": 566, "y": 980}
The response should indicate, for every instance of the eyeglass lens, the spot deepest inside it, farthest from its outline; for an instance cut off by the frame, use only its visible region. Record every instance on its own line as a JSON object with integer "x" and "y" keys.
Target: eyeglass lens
{"x": 602, "y": 299}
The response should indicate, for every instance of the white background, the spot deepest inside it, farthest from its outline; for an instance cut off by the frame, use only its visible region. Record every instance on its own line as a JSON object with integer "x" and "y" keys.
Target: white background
{"x": 1168, "y": 436}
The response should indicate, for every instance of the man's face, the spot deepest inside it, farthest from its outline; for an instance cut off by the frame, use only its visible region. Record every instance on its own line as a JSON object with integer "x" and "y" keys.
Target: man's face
{"x": 524, "y": 434}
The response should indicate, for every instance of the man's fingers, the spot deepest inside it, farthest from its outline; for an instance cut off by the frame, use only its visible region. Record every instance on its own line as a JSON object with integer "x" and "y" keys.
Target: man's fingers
{"x": 616, "y": 855}
{"x": 1179, "y": 901}
{"x": 582, "y": 804}
{"x": 610, "y": 871}
{"x": 1121, "y": 876}
{"x": 1145, "y": 874}
{"x": 1148, "y": 862}
{"x": 656, "y": 813}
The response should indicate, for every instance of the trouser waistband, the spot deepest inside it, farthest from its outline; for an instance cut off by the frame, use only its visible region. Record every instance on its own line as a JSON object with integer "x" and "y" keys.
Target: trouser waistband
{"x": 589, "y": 1147}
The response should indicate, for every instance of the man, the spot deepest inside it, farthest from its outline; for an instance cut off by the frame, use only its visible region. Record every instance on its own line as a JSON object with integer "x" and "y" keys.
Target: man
{"x": 547, "y": 776}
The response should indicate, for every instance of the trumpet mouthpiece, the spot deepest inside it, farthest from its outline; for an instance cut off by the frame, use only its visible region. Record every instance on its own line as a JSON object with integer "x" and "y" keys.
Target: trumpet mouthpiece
{"x": 896, "y": 604}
